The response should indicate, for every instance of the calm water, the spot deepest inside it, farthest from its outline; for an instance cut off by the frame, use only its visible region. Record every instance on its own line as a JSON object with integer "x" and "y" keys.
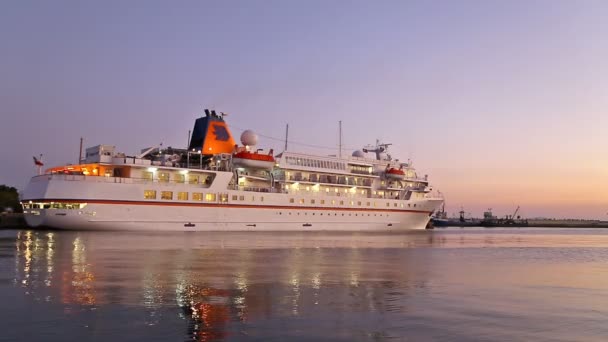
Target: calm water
{"x": 443, "y": 285}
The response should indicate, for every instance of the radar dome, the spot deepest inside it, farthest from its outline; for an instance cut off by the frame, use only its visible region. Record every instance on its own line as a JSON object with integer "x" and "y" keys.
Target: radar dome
{"x": 249, "y": 138}
{"x": 359, "y": 154}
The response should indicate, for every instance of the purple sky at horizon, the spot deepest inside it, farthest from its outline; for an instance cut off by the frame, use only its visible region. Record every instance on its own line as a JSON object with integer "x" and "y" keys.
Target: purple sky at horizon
{"x": 501, "y": 103}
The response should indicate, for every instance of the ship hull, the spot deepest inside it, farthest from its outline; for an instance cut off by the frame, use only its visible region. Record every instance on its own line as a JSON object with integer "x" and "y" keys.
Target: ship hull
{"x": 169, "y": 218}
{"x": 108, "y": 203}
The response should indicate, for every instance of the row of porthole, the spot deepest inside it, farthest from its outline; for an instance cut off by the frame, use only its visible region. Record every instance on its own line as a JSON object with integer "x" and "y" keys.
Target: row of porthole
{"x": 335, "y": 214}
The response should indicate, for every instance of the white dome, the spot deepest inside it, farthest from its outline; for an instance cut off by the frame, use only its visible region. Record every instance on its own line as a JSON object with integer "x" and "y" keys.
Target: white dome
{"x": 249, "y": 138}
{"x": 359, "y": 154}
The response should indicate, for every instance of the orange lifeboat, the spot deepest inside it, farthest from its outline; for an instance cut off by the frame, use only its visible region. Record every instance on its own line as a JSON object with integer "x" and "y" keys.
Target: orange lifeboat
{"x": 395, "y": 174}
{"x": 253, "y": 160}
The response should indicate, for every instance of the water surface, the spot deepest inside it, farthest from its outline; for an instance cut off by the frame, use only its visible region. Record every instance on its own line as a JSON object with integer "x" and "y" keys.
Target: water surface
{"x": 532, "y": 284}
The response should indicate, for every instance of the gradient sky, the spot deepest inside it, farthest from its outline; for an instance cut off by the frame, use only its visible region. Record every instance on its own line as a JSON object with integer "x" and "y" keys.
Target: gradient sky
{"x": 501, "y": 103}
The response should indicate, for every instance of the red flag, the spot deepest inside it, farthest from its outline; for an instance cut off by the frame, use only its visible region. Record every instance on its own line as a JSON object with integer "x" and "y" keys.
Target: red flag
{"x": 37, "y": 162}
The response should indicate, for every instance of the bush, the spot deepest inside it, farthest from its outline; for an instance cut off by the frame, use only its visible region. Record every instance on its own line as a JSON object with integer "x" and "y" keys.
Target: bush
{"x": 9, "y": 198}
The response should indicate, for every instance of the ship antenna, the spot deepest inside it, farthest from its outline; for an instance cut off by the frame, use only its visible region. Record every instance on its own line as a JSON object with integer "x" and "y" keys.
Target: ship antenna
{"x": 80, "y": 152}
{"x": 340, "y": 139}
{"x": 286, "y": 135}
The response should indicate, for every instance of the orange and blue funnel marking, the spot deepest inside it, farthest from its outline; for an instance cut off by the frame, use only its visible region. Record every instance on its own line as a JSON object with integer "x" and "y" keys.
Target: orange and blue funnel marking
{"x": 211, "y": 135}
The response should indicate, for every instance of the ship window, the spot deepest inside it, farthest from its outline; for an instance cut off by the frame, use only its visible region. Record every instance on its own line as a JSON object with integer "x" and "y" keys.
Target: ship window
{"x": 147, "y": 175}
{"x": 388, "y": 204}
{"x": 235, "y": 197}
{"x": 341, "y": 202}
{"x": 359, "y": 203}
{"x": 182, "y": 196}
{"x": 312, "y": 201}
{"x": 414, "y": 205}
{"x": 401, "y": 205}
{"x": 291, "y": 200}
{"x": 179, "y": 178}
{"x": 163, "y": 177}
{"x": 210, "y": 197}
{"x": 301, "y": 201}
{"x": 193, "y": 179}
{"x": 367, "y": 204}
{"x": 197, "y": 196}
{"x": 395, "y": 205}
{"x": 333, "y": 202}
{"x": 223, "y": 197}
{"x": 322, "y": 201}
{"x": 409, "y": 205}
{"x": 166, "y": 195}
{"x": 241, "y": 198}
{"x": 261, "y": 198}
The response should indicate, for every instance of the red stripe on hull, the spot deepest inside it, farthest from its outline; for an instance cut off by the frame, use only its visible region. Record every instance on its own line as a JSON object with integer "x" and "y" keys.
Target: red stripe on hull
{"x": 223, "y": 205}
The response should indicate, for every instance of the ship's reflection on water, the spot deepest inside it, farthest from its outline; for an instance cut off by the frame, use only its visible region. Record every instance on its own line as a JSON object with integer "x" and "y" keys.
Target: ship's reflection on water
{"x": 221, "y": 284}
{"x": 307, "y": 286}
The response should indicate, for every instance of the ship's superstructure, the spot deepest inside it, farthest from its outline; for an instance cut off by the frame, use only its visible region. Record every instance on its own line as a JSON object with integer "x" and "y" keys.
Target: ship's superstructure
{"x": 218, "y": 185}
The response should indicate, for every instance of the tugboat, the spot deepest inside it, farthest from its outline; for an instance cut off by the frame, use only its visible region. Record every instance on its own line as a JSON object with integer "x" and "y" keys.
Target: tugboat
{"x": 489, "y": 220}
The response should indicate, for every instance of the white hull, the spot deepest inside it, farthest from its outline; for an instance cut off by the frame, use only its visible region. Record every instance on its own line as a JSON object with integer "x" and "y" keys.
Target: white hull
{"x": 161, "y": 218}
{"x": 114, "y": 205}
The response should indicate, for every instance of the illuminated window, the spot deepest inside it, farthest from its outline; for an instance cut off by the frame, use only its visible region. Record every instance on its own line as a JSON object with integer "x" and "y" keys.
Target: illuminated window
{"x": 147, "y": 175}
{"x": 322, "y": 201}
{"x": 402, "y": 205}
{"x": 333, "y": 202}
{"x": 193, "y": 179}
{"x": 352, "y": 202}
{"x": 150, "y": 194}
{"x": 301, "y": 201}
{"x": 182, "y": 196}
{"x": 223, "y": 197}
{"x": 179, "y": 178}
{"x": 210, "y": 197}
{"x": 163, "y": 177}
{"x": 197, "y": 196}
{"x": 166, "y": 195}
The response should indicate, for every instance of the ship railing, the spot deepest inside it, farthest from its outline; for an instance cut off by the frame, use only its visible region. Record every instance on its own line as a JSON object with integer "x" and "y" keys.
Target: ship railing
{"x": 121, "y": 180}
{"x": 255, "y": 189}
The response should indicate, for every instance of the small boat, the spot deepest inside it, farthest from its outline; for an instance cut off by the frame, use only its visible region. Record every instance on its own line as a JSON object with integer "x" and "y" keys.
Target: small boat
{"x": 395, "y": 174}
{"x": 254, "y": 160}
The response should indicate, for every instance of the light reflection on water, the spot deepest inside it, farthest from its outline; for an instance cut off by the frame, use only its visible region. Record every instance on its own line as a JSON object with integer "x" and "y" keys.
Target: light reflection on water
{"x": 448, "y": 284}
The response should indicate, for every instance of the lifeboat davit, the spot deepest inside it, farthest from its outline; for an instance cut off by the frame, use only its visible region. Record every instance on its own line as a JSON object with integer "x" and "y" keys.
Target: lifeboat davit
{"x": 253, "y": 160}
{"x": 395, "y": 174}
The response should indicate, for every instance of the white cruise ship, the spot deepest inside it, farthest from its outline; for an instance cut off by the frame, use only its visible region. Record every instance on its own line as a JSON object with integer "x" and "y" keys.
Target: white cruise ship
{"x": 217, "y": 185}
